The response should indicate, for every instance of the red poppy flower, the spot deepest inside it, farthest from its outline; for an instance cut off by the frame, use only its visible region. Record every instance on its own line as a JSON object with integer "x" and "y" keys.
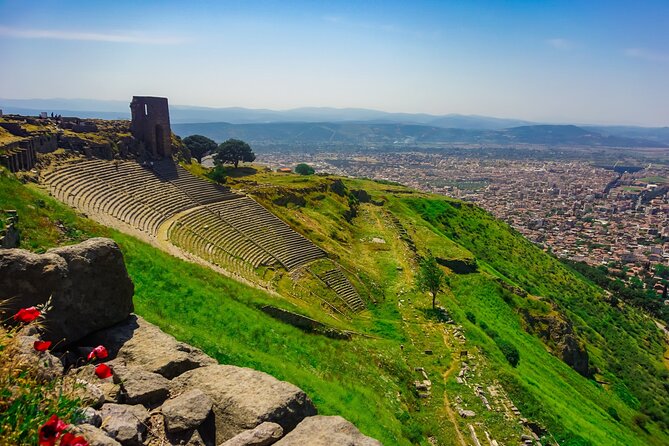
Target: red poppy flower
{"x": 50, "y": 431}
{"x": 26, "y": 315}
{"x": 41, "y": 346}
{"x": 69, "y": 439}
{"x": 99, "y": 352}
{"x": 103, "y": 371}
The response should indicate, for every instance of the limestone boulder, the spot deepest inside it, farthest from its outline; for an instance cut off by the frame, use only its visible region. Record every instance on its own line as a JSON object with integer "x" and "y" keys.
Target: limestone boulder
{"x": 28, "y": 279}
{"x": 326, "y": 431}
{"x": 186, "y": 411}
{"x": 125, "y": 424}
{"x": 46, "y": 366}
{"x": 89, "y": 393}
{"x": 264, "y": 434}
{"x": 139, "y": 386}
{"x": 99, "y": 291}
{"x": 140, "y": 344}
{"x": 244, "y": 398}
{"x": 93, "y": 390}
{"x": 87, "y": 284}
{"x": 94, "y": 436}
{"x": 91, "y": 416}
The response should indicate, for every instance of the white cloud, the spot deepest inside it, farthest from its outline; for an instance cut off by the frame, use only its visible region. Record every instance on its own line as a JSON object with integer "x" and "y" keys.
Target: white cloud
{"x": 117, "y": 37}
{"x": 649, "y": 55}
{"x": 560, "y": 44}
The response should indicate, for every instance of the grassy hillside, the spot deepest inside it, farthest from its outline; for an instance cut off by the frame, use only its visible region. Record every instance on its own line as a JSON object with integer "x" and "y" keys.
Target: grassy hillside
{"x": 369, "y": 379}
{"x": 622, "y": 343}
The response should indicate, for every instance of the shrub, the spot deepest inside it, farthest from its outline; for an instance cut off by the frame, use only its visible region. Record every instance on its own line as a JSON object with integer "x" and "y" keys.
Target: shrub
{"x": 304, "y": 169}
{"x": 471, "y": 317}
{"x": 613, "y": 413}
{"x": 218, "y": 174}
{"x": 510, "y": 352}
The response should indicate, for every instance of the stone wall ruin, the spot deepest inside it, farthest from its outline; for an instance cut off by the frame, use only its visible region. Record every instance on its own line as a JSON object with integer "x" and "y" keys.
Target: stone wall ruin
{"x": 151, "y": 125}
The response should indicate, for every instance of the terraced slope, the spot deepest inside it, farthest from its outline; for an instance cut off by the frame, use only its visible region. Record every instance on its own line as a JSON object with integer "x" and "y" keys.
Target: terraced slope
{"x": 269, "y": 232}
{"x": 203, "y": 192}
{"x": 125, "y": 190}
{"x": 336, "y": 280}
{"x": 217, "y": 225}
{"x": 240, "y": 234}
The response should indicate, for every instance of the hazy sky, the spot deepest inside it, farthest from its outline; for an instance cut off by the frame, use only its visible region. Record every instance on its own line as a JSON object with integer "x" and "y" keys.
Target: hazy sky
{"x": 557, "y": 61}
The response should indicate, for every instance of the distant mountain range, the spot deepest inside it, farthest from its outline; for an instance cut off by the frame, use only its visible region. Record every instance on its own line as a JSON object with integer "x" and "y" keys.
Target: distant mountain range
{"x": 353, "y": 125}
{"x": 91, "y": 108}
{"x": 366, "y": 133}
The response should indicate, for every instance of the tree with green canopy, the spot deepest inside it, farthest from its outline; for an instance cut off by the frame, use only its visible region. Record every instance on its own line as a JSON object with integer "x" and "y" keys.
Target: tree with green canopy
{"x": 304, "y": 169}
{"x": 232, "y": 152}
{"x": 430, "y": 277}
{"x": 199, "y": 146}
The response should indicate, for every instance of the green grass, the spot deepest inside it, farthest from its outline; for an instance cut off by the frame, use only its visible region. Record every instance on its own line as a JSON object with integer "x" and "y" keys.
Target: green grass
{"x": 368, "y": 380}
{"x": 656, "y": 179}
{"x": 359, "y": 379}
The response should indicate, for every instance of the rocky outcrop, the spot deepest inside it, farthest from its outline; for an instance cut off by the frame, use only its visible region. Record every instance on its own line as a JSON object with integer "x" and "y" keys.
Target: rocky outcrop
{"x": 125, "y": 424}
{"x": 44, "y": 365}
{"x": 141, "y": 387}
{"x": 262, "y": 435}
{"x": 244, "y": 398}
{"x": 87, "y": 286}
{"x": 136, "y": 343}
{"x": 459, "y": 266}
{"x": 326, "y": 431}
{"x": 161, "y": 391}
{"x": 558, "y": 334}
{"x": 187, "y": 411}
{"x": 95, "y": 436}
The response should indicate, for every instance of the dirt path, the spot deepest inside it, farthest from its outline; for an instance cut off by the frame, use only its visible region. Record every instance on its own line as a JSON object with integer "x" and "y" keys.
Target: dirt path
{"x": 447, "y": 404}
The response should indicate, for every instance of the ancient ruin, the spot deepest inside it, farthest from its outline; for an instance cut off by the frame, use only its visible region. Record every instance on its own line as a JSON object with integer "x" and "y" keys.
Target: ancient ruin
{"x": 224, "y": 228}
{"x": 151, "y": 125}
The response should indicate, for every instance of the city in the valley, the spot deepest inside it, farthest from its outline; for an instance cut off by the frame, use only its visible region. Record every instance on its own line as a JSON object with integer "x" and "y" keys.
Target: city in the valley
{"x": 604, "y": 213}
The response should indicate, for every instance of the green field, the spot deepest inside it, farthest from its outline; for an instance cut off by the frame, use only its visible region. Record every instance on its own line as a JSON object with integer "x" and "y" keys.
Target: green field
{"x": 368, "y": 379}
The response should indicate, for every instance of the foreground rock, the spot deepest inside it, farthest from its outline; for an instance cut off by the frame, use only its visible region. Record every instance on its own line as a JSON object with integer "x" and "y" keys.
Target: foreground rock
{"x": 244, "y": 398}
{"x": 95, "y": 436}
{"x": 141, "y": 387}
{"x": 45, "y": 366}
{"x": 264, "y": 434}
{"x": 193, "y": 400}
{"x": 125, "y": 424}
{"x": 137, "y": 343}
{"x": 88, "y": 285}
{"x": 187, "y": 411}
{"x": 326, "y": 431}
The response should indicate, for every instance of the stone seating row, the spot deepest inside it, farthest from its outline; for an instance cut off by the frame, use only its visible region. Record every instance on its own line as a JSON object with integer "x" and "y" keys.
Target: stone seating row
{"x": 88, "y": 193}
{"x": 192, "y": 242}
{"x": 290, "y": 248}
{"x": 196, "y": 188}
{"x": 130, "y": 192}
{"x": 336, "y": 280}
{"x": 210, "y": 226}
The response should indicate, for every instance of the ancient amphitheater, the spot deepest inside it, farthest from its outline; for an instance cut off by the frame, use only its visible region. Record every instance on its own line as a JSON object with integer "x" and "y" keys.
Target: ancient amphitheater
{"x": 224, "y": 228}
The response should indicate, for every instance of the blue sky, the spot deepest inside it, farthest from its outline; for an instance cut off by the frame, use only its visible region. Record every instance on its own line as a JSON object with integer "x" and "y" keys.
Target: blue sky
{"x": 553, "y": 61}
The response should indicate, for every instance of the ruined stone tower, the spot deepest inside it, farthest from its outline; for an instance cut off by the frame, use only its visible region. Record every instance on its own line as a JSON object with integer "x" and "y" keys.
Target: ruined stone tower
{"x": 151, "y": 124}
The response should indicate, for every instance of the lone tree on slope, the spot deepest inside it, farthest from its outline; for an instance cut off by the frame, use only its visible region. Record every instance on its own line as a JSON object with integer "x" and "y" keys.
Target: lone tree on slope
{"x": 199, "y": 146}
{"x": 304, "y": 169}
{"x": 430, "y": 278}
{"x": 233, "y": 151}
